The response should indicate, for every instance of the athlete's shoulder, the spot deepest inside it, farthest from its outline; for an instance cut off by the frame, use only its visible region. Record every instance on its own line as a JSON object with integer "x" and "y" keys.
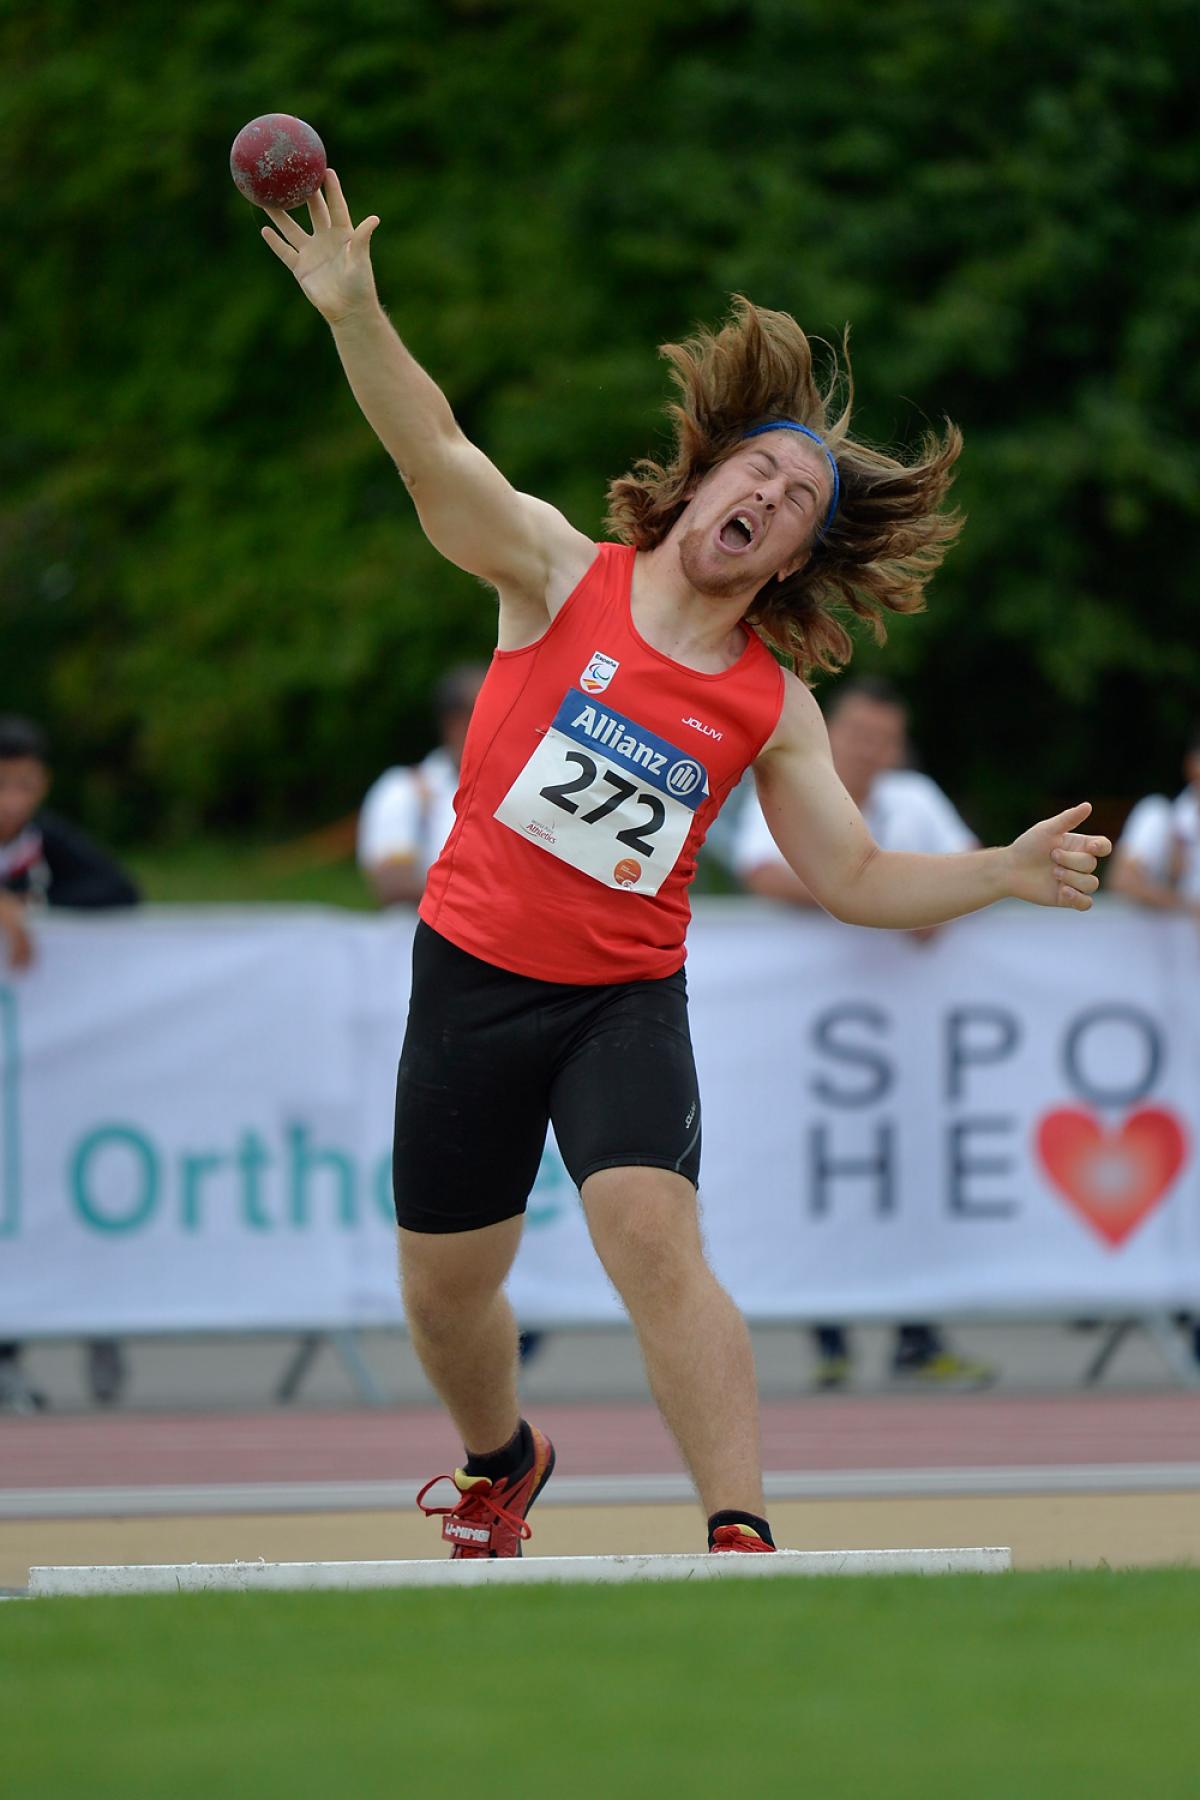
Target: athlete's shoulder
{"x": 801, "y": 722}
{"x": 580, "y": 564}
{"x": 580, "y": 575}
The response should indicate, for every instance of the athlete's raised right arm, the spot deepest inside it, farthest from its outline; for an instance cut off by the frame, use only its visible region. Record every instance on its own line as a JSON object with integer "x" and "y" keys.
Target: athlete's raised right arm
{"x": 467, "y": 509}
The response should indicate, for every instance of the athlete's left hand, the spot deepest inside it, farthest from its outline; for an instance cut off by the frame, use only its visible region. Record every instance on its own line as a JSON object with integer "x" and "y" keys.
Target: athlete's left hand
{"x": 1052, "y": 864}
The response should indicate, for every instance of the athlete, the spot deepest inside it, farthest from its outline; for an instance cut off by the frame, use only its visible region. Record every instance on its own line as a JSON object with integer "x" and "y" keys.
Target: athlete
{"x": 632, "y": 684}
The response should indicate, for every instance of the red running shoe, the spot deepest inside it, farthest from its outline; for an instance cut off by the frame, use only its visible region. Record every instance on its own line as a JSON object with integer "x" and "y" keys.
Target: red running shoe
{"x": 489, "y": 1517}
{"x": 738, "y": 1538}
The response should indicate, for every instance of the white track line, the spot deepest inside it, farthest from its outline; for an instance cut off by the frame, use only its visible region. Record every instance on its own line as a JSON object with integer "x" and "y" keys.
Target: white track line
{"x": 175, "y": 1578}
{"x": 597, "y": 1490}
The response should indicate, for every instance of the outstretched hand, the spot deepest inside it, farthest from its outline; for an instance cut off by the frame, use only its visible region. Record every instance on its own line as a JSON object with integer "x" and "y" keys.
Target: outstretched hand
{"x": 332, "y": 263}
{"x": 1053, "y": 864}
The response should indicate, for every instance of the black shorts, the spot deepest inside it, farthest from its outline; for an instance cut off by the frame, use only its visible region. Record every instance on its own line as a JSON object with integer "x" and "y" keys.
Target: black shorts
{"x": 490, "y": 1057}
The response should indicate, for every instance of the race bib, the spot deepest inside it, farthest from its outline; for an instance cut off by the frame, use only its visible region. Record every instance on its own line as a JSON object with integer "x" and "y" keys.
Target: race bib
{"x": 607, "y": 796}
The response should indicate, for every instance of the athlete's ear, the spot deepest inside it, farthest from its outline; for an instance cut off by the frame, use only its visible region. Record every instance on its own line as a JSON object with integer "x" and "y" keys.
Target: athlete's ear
{"x": 797, "y": 563}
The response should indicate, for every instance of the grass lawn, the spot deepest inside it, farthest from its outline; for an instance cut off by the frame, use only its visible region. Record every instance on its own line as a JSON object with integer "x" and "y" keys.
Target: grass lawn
{"x": 215, "y": 871}
{"x": 1014, "y": 1687}
{"x": 319, "y": 869}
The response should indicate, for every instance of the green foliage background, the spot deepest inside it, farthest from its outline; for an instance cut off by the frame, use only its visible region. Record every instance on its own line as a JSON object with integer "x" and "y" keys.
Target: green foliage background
{"x": 211, "y": 586}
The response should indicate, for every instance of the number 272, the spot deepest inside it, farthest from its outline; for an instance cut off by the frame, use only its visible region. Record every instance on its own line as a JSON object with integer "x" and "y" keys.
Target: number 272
{"x": 636, "y": 836}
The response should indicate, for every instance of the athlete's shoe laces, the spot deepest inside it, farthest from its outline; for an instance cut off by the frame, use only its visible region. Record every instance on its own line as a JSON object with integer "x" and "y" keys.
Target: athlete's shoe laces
{"x": 738, "y": 1538}
{"x": 488, "y": 1519}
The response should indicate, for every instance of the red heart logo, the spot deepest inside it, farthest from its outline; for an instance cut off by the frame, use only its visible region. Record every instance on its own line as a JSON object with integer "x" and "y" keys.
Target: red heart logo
{"x": 1113, "y": 1179}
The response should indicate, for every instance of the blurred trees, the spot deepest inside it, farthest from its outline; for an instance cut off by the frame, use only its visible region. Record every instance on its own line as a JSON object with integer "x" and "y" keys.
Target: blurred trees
{"x": 211, "y": 585}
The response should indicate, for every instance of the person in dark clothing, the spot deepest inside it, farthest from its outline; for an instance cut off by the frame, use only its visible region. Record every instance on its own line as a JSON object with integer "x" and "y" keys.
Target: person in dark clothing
{"x": 44, "y": 861}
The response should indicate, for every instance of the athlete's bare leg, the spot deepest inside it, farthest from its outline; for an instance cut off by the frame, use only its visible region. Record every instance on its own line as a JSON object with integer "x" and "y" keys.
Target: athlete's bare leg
{"x": 462, "y": 1326}
{"x": 645, "y": 1227}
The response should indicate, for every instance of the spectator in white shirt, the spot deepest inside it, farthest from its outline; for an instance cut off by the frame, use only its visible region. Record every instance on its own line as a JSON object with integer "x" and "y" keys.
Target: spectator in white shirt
{"x": 1156, "y": 860}
{"x": 905, "y": 810}
{"x": 408, "y": 813}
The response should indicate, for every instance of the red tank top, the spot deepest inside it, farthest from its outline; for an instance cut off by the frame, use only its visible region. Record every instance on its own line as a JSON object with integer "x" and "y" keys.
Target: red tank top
{"x": 592, "y": 770}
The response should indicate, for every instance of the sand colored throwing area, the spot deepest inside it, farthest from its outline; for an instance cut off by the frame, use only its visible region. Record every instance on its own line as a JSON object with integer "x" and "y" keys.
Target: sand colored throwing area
{"x": 1069, "y": 1481}
{"x": 1050, "y": 1531}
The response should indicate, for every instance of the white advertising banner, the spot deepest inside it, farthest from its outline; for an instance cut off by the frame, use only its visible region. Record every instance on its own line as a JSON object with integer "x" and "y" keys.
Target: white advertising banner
{"x": 195, "y": 1119}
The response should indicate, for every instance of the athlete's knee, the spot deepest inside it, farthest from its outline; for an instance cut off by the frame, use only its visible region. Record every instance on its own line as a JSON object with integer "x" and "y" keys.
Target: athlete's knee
{"x": 435, "y": 1309}
{"x": 644, "y": 1226}
{"x": 446, "y": 1274}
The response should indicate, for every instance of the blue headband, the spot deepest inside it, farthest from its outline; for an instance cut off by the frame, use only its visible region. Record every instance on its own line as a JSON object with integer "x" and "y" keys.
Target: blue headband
{"x": 794, "y": 425}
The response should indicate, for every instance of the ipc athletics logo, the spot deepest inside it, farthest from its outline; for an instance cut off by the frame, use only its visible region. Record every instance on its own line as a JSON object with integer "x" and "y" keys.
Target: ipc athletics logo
{"x": 684, "y": 777}
{"x": 599, "y": 673}
{"x": 10, "y": 1163}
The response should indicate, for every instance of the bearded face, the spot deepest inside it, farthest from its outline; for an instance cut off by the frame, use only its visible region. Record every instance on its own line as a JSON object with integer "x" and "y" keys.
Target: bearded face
{"x": 755, "y": 515}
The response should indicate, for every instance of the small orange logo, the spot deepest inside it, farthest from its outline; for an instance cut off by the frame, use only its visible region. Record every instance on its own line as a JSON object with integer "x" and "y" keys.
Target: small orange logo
{"x": 627, "y": 873}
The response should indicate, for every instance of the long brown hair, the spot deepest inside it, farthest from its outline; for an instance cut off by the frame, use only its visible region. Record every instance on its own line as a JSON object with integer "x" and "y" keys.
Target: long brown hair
{"x": 888, "y": 536}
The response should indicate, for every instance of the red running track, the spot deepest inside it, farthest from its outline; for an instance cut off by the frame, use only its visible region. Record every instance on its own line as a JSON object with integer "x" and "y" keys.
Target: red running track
{"x": 149, "y": 1450}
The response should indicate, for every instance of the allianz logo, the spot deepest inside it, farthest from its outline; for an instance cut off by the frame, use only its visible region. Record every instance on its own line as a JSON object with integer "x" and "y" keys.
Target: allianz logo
{"x": 708, "y": 730}
{"x": 612, "y": 734}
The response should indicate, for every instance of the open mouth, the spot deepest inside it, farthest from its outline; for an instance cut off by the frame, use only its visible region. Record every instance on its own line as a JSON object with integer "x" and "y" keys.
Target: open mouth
{"x": 738, "y": 532}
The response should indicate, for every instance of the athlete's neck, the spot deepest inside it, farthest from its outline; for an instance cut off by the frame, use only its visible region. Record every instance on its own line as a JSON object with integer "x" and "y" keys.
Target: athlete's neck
{"x": 701, "y": 631}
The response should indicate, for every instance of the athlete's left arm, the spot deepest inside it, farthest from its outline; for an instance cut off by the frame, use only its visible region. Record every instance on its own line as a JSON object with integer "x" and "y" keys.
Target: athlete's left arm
{"x": 824, "y": 837}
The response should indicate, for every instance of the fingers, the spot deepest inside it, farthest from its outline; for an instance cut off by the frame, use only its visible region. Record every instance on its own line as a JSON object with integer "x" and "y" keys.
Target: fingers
{"x": 1080, "y": 860}
{"x": 362, "y": 237}
{"x": 1074, "y": 862}
{"x": 283, "y": 251}
{"x": 1081, "y": 883}
{"x": 318, "y": 212}
{"x": 1072, "y": 898}
{"x": 1094, "y": 847}
{"x": 1076, "y": 880}
{"x": 287, "y": 227}
{"x": 335, "y": 200}
{"x": 1074, "y": 840}
{"x": 1067, "y": 821}
{"x": 1074, "y": 859}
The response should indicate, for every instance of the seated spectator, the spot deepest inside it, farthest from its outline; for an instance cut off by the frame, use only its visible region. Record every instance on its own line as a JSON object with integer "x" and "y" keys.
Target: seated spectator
{"x": 905, "y": 810}
{"x": 46, "y": 862}
{"x": 408, "y": 813}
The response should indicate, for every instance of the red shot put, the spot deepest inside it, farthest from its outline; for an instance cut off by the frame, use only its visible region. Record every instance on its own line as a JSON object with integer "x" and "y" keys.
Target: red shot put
{"x": 277, "y": 160}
